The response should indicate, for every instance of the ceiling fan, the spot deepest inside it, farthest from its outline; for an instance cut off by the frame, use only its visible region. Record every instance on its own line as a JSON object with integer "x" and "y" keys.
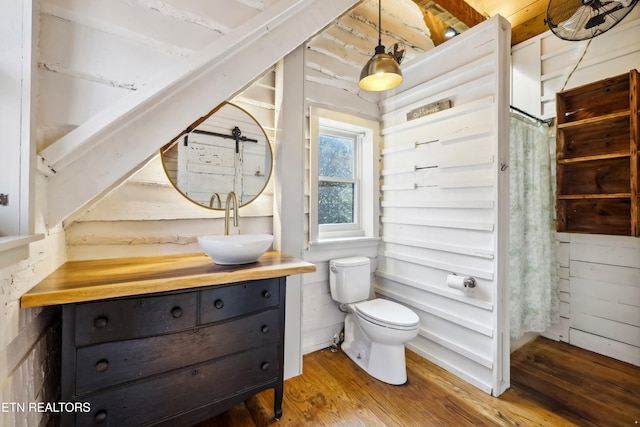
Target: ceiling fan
{"x": 584, "y": 19}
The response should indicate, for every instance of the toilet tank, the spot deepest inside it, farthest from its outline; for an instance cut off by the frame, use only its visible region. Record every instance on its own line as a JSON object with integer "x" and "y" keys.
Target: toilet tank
{"x": 349, "y": 279}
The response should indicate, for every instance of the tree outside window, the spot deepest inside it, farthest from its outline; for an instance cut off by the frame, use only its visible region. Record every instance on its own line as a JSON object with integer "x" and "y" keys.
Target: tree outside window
{"x": 337, "y": 181}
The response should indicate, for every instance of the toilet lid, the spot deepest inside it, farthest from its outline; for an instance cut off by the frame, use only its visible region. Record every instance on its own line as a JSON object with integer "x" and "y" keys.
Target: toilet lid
{"x": 388, "y": 313}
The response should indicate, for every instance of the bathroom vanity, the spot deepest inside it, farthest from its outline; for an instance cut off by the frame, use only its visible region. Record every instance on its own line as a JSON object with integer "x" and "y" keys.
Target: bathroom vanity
{"x": 167, "y": 340}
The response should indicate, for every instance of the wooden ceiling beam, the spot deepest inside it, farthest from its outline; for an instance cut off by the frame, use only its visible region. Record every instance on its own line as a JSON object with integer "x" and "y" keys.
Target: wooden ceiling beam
{"x": 439, "y": 14}
{"x": 529, "y": 29}
{"x": 460, "y": 9}
{"x": 436, "y": 27}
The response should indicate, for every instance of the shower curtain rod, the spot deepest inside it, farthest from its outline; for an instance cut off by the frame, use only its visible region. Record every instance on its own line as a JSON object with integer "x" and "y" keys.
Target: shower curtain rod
{"x": 548, "y": 122}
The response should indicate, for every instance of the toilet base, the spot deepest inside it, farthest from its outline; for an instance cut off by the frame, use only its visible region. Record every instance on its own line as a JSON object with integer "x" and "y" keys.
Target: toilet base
{"x": 382, "y": 361}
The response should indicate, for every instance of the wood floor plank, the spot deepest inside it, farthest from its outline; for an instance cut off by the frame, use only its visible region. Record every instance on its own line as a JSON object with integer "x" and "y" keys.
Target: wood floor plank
{"x": 370, "y": 398}
{"x": 521, "y": 411}
{"x": 552, "y": 384}
{"x": 584, "y": 387}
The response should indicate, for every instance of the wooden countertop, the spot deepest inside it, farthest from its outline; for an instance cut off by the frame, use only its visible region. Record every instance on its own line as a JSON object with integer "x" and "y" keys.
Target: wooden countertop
{"x": 79, "y": 281}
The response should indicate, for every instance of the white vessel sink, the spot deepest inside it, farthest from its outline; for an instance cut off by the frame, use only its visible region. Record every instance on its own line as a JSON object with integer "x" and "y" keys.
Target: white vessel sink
{"x": 235, "y": 249}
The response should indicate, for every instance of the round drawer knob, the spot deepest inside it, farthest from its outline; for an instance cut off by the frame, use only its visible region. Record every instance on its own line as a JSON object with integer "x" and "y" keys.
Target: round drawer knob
{"x": 176, "y": 312}
{"x": 102, "y": 365}
{"x": 264, "y": 366}
{"x": 101, "y": 322}
{"x": 101, "y": 416}
{"x": 265, "y": 329}
{"x": 218, "y": 303}
{"x": 266, "y": 294}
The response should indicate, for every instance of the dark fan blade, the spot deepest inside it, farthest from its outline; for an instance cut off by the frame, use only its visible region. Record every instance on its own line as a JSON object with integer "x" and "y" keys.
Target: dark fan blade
{"x": 600, "y": 18}
{"x": 584, "y": 19}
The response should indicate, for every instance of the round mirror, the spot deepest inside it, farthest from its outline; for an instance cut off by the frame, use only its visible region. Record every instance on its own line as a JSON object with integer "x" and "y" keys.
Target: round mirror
{"x": 225, "y": 151}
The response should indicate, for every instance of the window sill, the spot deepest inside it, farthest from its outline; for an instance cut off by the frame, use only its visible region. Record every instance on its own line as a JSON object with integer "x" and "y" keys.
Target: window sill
{"x": 12, "y": 242}
{"x": 342, "y": 243}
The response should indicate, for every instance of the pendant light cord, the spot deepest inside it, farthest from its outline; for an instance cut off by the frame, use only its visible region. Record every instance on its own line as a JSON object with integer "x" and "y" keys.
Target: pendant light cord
{"x": 380, "y": 48}
{"x": 379, "y": 22}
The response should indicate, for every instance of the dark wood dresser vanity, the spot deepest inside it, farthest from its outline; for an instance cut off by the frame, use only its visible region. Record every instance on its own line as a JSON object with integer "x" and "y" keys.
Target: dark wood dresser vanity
{"x": 170, "y": 340}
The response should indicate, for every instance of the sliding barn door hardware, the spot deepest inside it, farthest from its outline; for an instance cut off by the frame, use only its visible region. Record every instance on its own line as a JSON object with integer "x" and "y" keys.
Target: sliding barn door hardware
{"x": 236, "y": 134}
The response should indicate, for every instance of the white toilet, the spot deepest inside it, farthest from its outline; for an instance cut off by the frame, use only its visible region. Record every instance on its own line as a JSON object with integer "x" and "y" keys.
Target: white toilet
{"x": 374, "y": 330}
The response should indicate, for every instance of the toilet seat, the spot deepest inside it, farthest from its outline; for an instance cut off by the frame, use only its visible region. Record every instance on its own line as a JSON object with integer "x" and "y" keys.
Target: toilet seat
{"x": 387, "y": 313}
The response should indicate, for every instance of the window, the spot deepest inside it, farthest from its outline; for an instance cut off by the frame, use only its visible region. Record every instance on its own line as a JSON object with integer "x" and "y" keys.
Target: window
{"x": 344, "y": 171}
{"x": 338, "y": 183}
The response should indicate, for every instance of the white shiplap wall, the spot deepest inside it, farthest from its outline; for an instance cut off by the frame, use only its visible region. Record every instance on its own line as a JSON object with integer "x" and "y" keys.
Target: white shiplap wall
{"x": 605, "y": 295}
{"x": 333, "y": 60}
{"x": 599, "y": 275}
{"x": 444, "y": 201}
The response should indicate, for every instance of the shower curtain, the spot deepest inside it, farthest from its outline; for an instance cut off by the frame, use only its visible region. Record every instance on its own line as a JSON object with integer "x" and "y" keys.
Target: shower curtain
{"x": 532, "y": 257}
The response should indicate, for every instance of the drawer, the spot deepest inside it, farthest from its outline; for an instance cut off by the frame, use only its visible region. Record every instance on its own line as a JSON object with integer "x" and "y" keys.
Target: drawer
{"x": 225, "y": 302}
{"x": 144, "y": 401}
{"x": 128, "y": 318}
{"x": 108, "y": 364}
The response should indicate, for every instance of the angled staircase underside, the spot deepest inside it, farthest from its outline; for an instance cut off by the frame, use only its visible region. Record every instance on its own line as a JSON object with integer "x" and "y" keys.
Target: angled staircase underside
{"x": 106, "y": 149}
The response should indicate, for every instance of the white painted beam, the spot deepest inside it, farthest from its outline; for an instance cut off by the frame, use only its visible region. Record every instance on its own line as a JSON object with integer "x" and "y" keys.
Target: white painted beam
{"x": 288, "y": 214}
{"x": 105, "y": 150}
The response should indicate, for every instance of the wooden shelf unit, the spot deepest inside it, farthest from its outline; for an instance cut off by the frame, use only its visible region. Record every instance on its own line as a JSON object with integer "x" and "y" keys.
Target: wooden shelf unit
{"x": 597, "y": 157}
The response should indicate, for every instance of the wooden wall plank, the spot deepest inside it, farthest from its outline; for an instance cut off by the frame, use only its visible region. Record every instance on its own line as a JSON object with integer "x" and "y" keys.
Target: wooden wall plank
{"x": 165, "y": 29}
{"x": 593, "y": 275}
{"x": 434, "y": 289}
{"x": 603, "y": 254}
{"x": 627, "y": 312}
{"x": 452, "y": 362}
{"x": 604, "y": 276}
{"x": 59, "y": 90}
{"x": 89, "y": 63}
{"x": 481, "y": 324}
{"x": 614, "y": 330}
{"x": 608, "y": 347}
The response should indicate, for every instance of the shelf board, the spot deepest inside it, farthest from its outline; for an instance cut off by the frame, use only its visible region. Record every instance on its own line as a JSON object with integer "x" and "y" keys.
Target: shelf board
{"x": 591, "y": 158}
{"x": 594, "y": 196}
{"x": 593, "y": 120}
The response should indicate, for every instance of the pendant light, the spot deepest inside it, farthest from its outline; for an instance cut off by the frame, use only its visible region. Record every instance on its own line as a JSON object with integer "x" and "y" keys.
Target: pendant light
{"x": 382, "y": 71}
{"x": 450, "y": 33}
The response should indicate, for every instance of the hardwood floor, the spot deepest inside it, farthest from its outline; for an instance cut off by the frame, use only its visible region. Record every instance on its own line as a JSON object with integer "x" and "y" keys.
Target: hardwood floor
{"x": 552, "y": 384}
